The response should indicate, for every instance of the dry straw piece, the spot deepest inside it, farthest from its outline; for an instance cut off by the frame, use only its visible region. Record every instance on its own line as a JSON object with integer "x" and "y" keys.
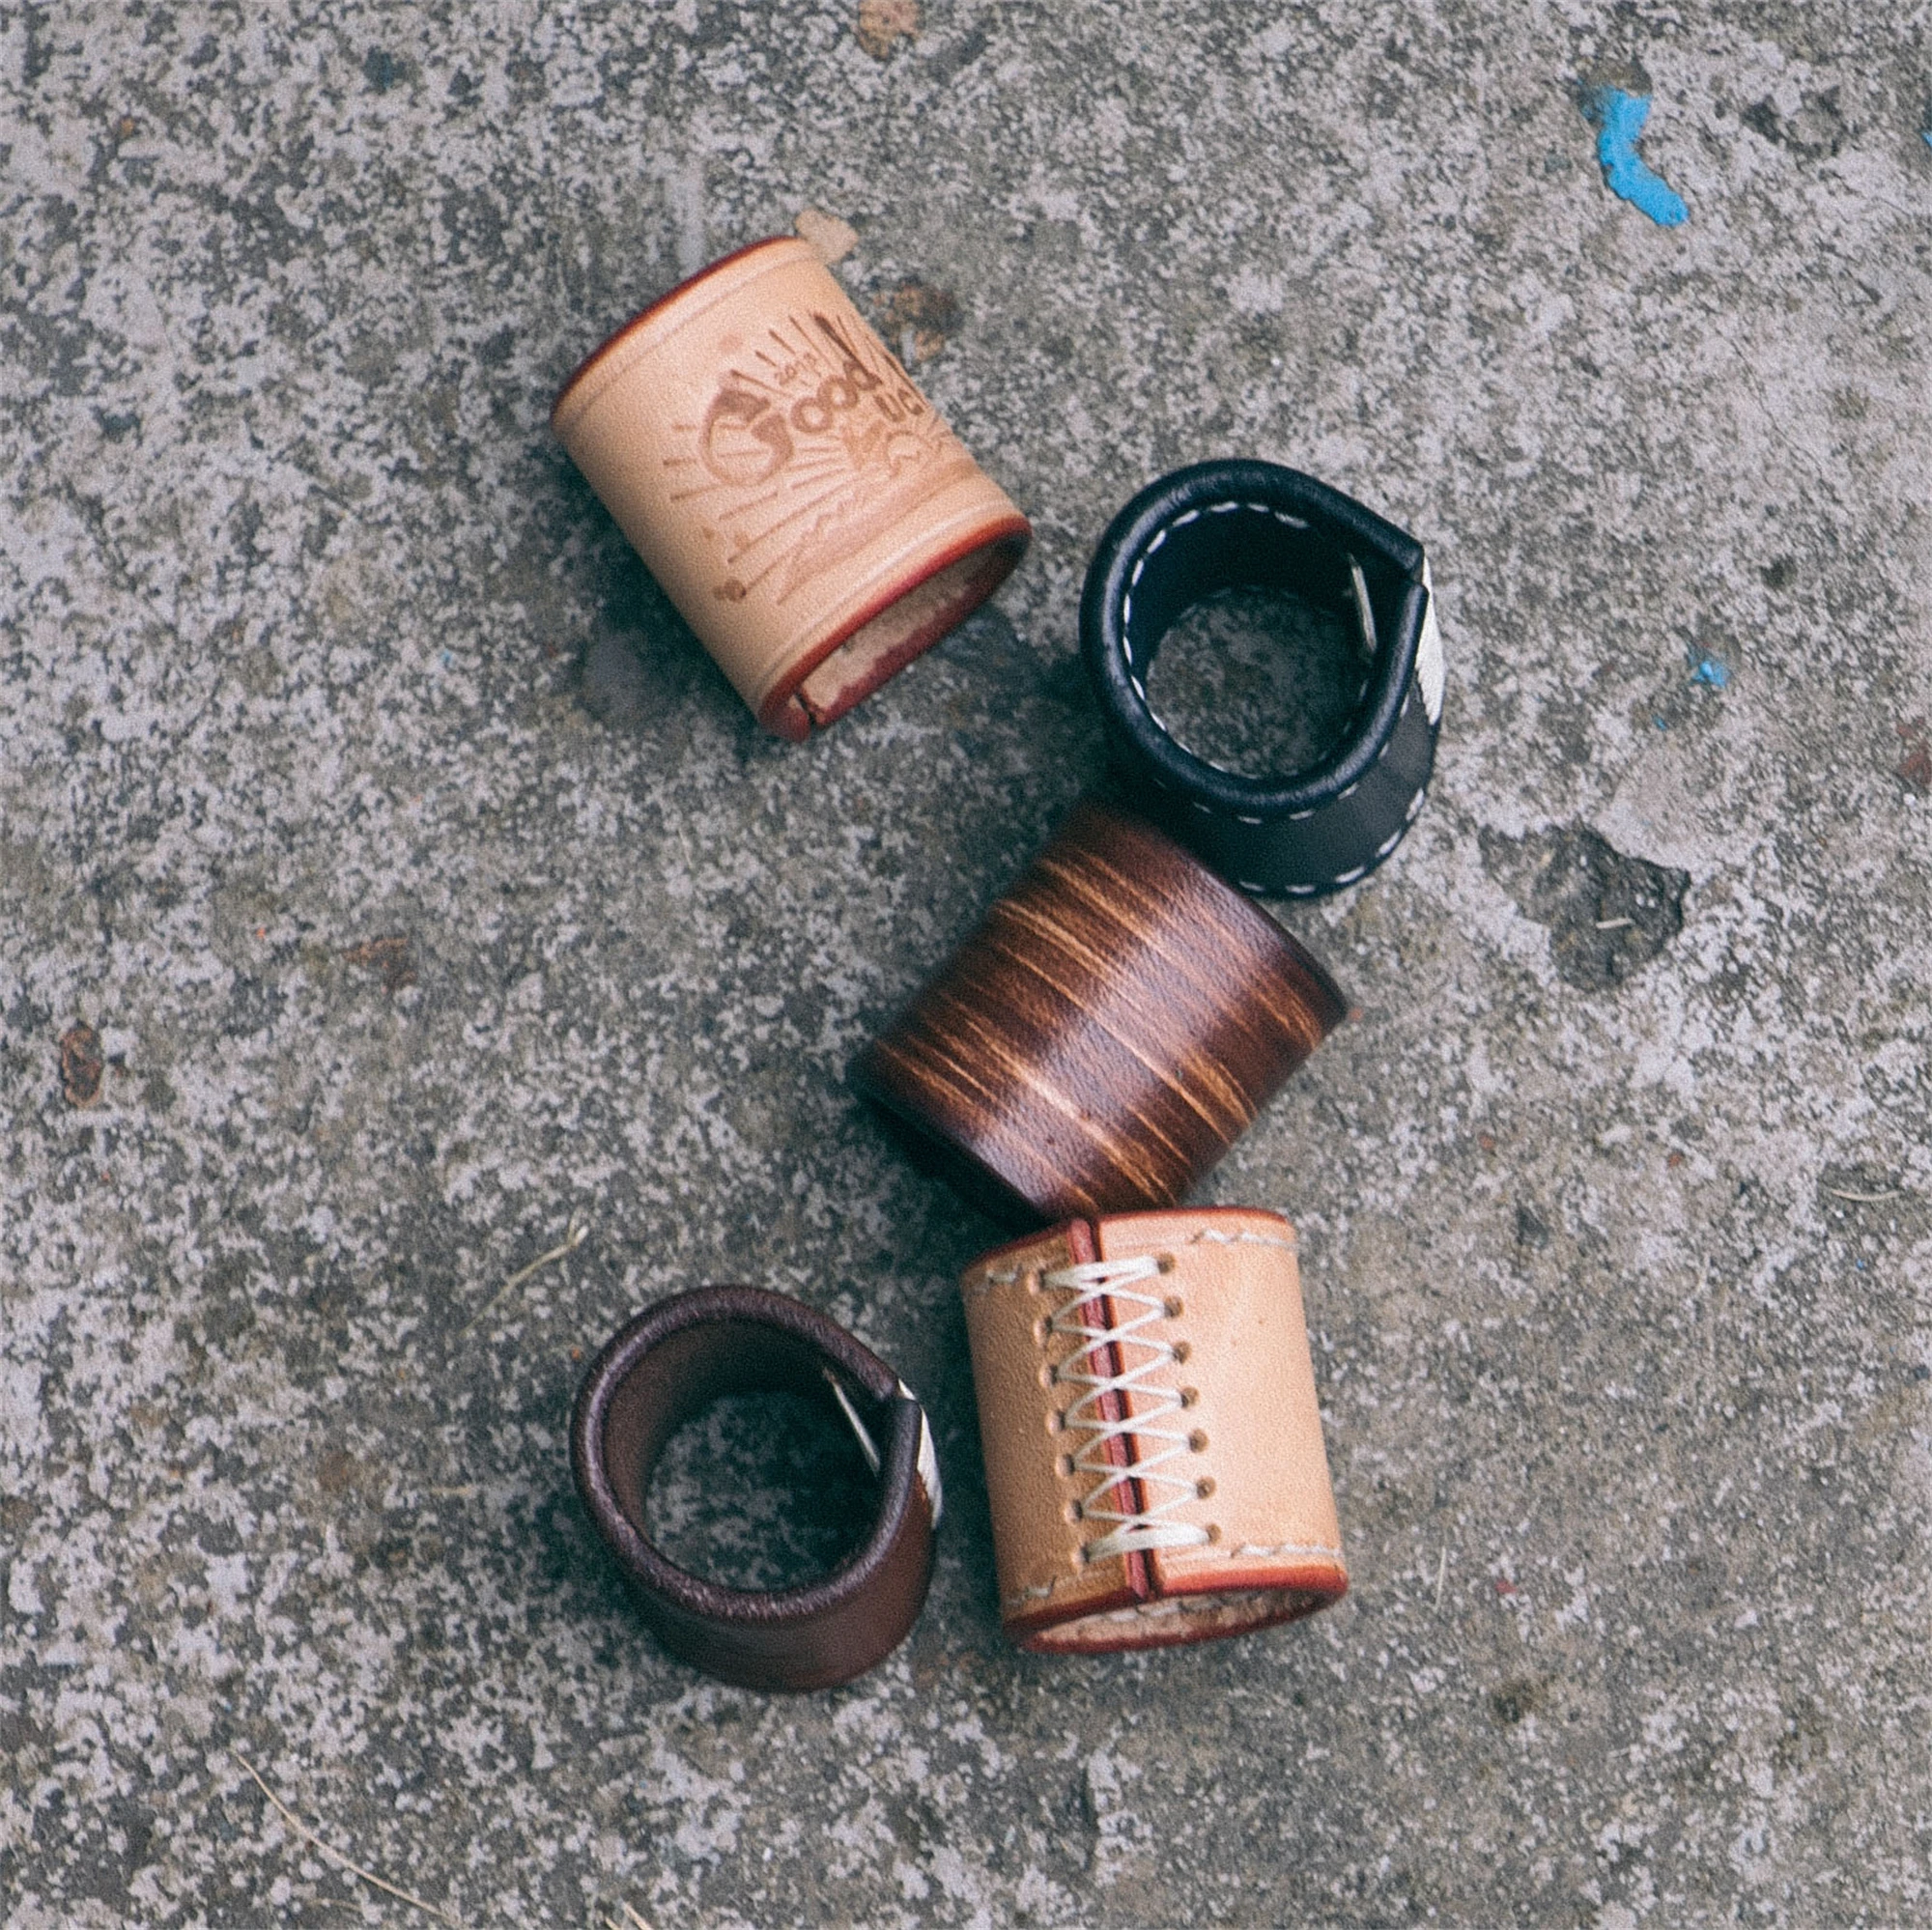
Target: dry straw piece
{"x": 336, "y": 1855}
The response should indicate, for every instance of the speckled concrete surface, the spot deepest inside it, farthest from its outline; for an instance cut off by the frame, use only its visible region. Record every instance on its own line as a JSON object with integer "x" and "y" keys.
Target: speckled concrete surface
{"x": 431, "y": 894}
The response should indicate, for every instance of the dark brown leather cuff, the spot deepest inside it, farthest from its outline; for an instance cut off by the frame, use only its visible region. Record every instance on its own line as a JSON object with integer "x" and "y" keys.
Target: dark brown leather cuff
{"x": 658, "y": 1371}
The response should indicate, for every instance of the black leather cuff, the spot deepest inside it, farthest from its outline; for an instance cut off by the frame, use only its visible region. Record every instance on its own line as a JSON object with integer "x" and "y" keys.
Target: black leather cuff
{"x": 1228, "y": 524}
{"x": 658, "y": 1371}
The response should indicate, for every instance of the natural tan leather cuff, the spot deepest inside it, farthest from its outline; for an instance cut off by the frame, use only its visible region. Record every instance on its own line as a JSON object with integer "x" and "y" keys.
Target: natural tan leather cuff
{"x": 1152, "y": 1434}
{"x": 659, "y": 1371}
{"x": 1108, "y": 1032}
{"x": 800, "y": 501}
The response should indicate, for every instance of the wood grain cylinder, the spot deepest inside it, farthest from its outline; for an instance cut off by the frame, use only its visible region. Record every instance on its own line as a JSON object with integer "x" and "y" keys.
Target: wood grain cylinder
{"x": 801, "y": 503}
{"x": 1113, "y": 1026}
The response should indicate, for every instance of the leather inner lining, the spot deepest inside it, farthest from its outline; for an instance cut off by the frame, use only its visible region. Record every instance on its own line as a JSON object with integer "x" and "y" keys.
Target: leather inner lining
{"x": 1177, "y": 1618}
{"x": 904, "y": 630}
{"x": 691, "y": 1367}
{"x": 1242, "y": 547}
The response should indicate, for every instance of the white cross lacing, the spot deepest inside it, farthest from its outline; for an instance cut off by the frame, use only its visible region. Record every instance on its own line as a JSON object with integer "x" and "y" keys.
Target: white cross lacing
{"x": 1144, "y": 1527}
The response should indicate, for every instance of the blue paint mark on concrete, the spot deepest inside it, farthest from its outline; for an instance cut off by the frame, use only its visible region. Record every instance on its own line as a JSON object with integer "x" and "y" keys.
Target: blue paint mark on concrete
{"x": 1708, "y": 670}
{"x": 1619, "y": 118}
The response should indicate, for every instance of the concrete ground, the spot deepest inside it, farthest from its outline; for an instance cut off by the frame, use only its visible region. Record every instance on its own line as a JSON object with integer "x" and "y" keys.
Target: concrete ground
{"x": 430, "y": 895}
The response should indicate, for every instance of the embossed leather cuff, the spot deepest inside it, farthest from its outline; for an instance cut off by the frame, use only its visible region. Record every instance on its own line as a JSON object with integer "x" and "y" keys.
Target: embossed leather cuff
{"x": 1151, "y": 1434}
{"x": 1231, "y": 525}
{"x": 659, "y": 1371}
{"x": 800, "y": 501}
{"x": 1115, "y": 1025}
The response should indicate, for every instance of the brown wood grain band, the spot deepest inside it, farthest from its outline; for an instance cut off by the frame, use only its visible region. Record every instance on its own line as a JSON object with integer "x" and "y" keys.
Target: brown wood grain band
{"x": 815, "y": 522}
{"x": 1115, "y": 1023}
{"x": 1086, "y": 1088}
{"x": 1295, "y": 988}
{"x": 1156, "y": 1030}
{"x": 1209, "y": 1359}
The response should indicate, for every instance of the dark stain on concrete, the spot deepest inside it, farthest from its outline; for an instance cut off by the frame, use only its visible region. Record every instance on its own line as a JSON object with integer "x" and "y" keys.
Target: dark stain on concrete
{"x": 1522, "y": 1696}
{"x": 82, "y": 1065}
{"x": 1608, "y": 914}
{"x": 392, "y": 957}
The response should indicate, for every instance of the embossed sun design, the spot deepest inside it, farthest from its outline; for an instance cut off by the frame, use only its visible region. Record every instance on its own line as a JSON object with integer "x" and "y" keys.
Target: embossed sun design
{"x": 814, "y": 444}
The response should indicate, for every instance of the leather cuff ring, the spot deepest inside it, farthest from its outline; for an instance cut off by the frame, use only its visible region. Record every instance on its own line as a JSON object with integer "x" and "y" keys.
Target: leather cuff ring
{"x": 813, "y": 519}
{"x": 1233, "y": 525}
{"x": 1151, "y": 1432}
{"x": 1118, "y": 1021}
{"x": 664, "y": 1366}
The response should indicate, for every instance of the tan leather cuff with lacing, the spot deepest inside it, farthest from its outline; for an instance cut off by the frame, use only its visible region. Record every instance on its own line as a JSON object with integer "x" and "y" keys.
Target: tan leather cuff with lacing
{"x": 1152, "y": 1434}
